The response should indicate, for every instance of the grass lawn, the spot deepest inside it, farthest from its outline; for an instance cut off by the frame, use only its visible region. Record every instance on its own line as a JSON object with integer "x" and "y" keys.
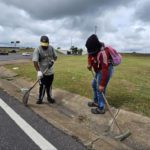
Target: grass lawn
{"x": 129, "y": 87}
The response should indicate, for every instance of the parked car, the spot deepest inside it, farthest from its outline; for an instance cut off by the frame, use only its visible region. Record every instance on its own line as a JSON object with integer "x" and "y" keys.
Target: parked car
{"x": 26, "y": 54}
{"x": 12, "y": 51}
{"x": 3, "y": 52}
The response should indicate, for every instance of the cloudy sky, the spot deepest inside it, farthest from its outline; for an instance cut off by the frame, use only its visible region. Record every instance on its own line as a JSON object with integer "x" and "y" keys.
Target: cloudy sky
{"x": 123, "y": 24}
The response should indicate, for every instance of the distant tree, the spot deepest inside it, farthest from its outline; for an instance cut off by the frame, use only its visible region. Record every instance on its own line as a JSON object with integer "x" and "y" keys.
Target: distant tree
{"x": 58, "y": 48}
{"x": 68, "y": 52}
{"x": 80, "y": 51}
{"x": 74, "y": 50}
{"x": 72, "y": 47}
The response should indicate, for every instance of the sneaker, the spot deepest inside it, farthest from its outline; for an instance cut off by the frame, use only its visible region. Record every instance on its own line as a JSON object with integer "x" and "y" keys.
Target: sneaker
{"x": 98, "y": 110}
{"x": 92, "y": 104}
{"x": 38, "y": 102}
{"x": 51, "y": 100}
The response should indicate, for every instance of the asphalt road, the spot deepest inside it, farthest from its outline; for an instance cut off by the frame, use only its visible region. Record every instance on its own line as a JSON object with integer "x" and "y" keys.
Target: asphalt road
{"x": 14, "y": 137}
{"x": 13, "y": 56}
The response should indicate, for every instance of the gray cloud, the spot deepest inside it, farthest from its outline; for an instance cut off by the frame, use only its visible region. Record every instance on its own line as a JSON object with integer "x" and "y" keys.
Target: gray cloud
{"x": 70, "y": 21}
{"x": 48, "y": 9}
{"x": 140, "y": 29}
{"x": 143, "y": 10}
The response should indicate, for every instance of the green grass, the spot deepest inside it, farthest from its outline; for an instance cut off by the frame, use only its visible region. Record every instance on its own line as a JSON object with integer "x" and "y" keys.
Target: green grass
{"x": 129, "y": 87}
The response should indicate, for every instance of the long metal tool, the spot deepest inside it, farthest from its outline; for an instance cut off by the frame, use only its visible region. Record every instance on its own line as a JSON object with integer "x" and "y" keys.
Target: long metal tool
{"x": 27, "y": 93}
{"x": 123, "y": 135}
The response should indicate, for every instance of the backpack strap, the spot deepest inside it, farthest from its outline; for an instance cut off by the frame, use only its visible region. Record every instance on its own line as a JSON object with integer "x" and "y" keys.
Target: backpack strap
{"x": 104, "y": 55}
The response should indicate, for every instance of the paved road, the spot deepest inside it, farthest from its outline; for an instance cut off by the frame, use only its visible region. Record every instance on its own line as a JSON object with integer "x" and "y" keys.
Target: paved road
{"x": 16, "y": 135}
{"x": 13, "y": 57}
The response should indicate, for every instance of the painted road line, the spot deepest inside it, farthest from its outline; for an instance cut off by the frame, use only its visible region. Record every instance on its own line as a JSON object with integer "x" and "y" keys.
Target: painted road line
{"x": 31, "y": 132}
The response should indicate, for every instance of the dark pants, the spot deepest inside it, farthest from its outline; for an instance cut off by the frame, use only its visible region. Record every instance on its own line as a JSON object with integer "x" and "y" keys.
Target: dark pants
{"x": 45, "y": 85}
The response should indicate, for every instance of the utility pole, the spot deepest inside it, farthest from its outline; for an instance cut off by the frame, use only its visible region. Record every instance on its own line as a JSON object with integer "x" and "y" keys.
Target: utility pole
{"x": 95, "y": 29}
{"x": 71, "y": 42}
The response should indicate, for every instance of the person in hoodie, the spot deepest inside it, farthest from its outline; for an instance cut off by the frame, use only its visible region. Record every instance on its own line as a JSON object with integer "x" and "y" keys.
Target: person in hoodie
{"x": 99, "y": 59}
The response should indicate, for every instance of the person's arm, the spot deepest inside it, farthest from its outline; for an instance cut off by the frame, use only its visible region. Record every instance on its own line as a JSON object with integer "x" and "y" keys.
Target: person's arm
{"x": 104, "y": 74}
{"x": 89, "y": 66}
{"x": 39, "y": 73}
{"x": 104, "y": 66}
{"x": 35, "y": 60}
{"x": 54, "y": 54}
{"x": 36, "y": 65}
{"x": 55, "y": 58}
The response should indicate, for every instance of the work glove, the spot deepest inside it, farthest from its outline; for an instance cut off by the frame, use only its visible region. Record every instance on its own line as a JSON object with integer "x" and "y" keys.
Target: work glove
{"x": 39, "y": 74}
{"x": 50, "y": 63}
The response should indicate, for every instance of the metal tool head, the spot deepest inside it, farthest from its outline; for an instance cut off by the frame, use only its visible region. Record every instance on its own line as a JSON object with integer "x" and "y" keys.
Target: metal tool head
{"x": 123, "y": 136}
{"x": 25, "y": 98}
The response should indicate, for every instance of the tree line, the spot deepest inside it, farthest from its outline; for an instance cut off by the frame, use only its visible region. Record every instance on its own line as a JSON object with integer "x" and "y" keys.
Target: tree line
{"x": 75, "y": 51}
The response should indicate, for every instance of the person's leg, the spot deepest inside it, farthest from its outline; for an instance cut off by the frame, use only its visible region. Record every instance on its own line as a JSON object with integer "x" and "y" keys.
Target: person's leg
{"x": 101, "y": 102}
{"x": 94, "y": 86}
{"x": 100, "y": 109}
{"x": 41, "y": 91}
{"x": 99, "y": 94}
{"x": 49, "y": 82}
{"x": 94, "y": 103}
{"x": 110, "y": 73}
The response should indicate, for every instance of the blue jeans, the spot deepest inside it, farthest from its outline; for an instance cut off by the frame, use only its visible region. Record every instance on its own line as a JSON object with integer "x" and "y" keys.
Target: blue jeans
{"x": 98, "y": 97}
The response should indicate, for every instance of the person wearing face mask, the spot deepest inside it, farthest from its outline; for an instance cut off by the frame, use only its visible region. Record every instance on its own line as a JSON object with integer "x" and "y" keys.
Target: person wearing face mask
{"x": 43, "y": 59}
